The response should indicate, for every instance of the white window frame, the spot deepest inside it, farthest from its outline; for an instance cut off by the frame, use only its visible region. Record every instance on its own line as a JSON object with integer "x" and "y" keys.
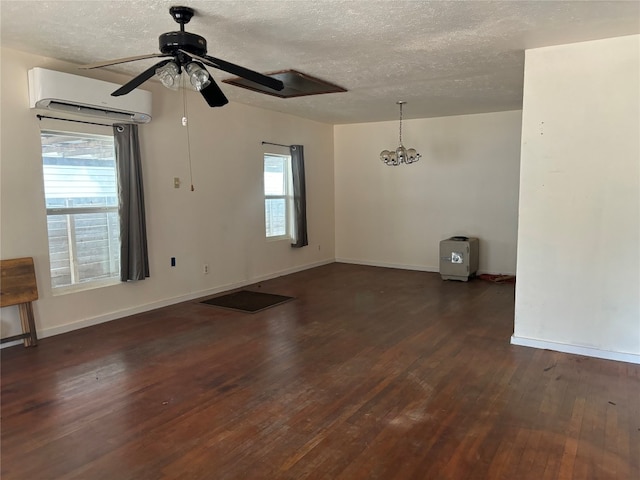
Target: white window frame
{"x": 76, "y": 285}
{"x": 287, "y": 197}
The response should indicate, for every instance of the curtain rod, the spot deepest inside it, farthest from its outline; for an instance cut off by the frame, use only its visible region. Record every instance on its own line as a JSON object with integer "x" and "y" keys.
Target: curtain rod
{"x": 277, "y": 144}
{"x": 40, "y": 117}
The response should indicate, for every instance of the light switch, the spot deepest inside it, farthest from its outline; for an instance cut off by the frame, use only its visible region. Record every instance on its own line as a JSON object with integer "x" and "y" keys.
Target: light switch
{"x": 176, "y": 182}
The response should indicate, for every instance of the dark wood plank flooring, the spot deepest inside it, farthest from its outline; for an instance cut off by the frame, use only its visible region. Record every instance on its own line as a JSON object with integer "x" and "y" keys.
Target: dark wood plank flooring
{"x": 371, "y": 373}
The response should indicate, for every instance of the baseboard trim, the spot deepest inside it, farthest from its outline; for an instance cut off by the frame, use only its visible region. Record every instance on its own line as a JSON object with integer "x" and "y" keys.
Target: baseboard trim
{"x": 576, "y": 349}
{"x": 88, "y": 322}
{"x": 421, "y": 268}
{"x": 289, "y": 271}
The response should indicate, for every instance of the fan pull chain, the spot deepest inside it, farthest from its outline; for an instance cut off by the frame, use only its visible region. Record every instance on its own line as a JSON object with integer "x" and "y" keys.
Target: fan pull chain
{"x": 185, "y": 123}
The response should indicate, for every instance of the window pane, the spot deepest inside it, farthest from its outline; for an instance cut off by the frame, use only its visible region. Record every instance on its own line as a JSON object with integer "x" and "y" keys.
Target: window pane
{"x": 80, "y": 173}
{"x": 275, "y": 216}
{"x": 59, "y": 259}
{"x": 95, "y": 245}
{"x": 80, "y": 186}
{"x": 277, "y": 190}
{"x": 274, "y": 175}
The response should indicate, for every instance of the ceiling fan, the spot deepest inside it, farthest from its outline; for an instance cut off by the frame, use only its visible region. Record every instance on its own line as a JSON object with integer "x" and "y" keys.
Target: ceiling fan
{"x": 187, "y": 51}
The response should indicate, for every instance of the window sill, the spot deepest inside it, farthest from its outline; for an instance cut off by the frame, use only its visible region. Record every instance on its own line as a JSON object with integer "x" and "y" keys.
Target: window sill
{"x": 81, "y": 287}
{"x": 279, "y": 238}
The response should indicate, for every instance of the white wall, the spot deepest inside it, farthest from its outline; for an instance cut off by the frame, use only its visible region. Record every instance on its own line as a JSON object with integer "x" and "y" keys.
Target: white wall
{"x": 221, "y": 223}
{"x": 578, "y": 242}
{"x": 465, "y": 184}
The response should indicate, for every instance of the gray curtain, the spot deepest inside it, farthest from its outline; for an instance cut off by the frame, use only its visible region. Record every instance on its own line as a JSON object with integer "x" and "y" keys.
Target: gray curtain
{"x": 134, "y": 259}
{"x": 299, "y": 197}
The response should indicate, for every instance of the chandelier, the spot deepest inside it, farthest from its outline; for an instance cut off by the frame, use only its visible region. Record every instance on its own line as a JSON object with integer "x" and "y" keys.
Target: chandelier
{"x": 400, "y": 155}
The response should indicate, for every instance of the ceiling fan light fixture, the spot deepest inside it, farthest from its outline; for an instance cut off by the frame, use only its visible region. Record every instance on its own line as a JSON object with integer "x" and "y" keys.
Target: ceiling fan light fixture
{"x": 169, "y": 75}
{"x": 198, "y": 76}
{"x": 189, "y": 51}
{"x": 400, "y": 155}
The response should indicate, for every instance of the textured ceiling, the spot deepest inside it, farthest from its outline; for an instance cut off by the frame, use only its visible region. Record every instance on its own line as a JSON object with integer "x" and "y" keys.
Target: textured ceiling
{"x": 442, "y": 57}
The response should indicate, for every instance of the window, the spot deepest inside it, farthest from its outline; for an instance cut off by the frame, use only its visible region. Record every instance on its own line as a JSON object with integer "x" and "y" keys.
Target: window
{"x": 277, "y": 195}
{"x": 81, "y": 196}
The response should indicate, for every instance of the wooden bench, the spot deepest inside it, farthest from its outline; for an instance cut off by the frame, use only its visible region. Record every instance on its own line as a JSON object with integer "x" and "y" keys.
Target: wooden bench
{"x": 18, "y": 287}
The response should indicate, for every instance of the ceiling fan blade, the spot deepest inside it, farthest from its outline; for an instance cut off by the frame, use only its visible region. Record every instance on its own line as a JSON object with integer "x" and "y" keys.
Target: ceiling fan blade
{"x": 139, "y": 80}
{"x": 213, "y": 95}
{"x": 122, "y": 60}
{"x": 239, "y": 71}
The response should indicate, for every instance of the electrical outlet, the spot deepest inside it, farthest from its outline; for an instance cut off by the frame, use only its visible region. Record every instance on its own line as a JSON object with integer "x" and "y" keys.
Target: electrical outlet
{"x": 205, "y": 268}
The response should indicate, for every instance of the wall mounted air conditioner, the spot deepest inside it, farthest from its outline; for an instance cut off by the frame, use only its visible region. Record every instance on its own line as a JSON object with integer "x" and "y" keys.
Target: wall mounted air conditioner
{"x": 64, "y": 92}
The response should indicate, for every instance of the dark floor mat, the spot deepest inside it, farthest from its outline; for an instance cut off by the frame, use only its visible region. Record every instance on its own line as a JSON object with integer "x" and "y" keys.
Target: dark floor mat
{"x": 247, "y": 301}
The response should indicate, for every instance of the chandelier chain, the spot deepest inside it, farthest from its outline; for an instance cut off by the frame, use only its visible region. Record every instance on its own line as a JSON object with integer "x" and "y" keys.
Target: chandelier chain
{"x": 400, "y": 123}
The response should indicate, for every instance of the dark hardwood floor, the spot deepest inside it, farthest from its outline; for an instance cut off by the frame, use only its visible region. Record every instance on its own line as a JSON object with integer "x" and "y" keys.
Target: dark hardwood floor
{"x": 370, "y": 373}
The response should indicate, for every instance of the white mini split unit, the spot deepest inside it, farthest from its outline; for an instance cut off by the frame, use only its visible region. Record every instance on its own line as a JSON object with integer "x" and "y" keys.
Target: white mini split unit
{"x": 64, "y": 92}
